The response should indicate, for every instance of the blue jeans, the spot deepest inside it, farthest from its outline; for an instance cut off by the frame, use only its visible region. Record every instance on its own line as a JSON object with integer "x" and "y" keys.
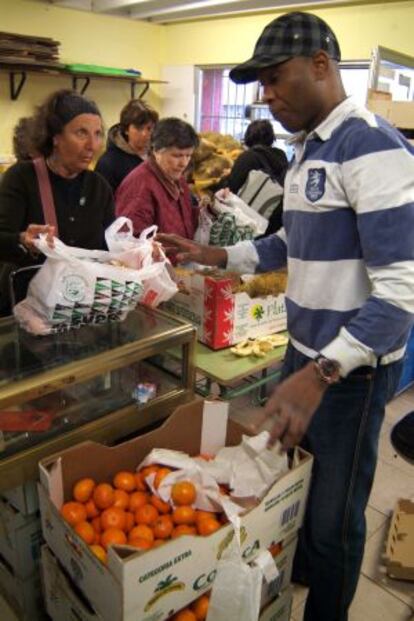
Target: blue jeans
{"x": 343, "y": 438}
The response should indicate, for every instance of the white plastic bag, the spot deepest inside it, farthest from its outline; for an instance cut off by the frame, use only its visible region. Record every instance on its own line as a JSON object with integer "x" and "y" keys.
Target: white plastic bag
{"x": 237, "y": 586}
{"x": 75, "y": 287}
{"x": 225, "y": 201}
{"x": 205, "y": 222}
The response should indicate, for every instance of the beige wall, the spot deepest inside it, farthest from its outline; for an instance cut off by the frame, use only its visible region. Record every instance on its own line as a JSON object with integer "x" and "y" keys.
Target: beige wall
{"x": 85, "y": 38}
{"x": 359, "y": 28}
{"x": 101, "y": 39}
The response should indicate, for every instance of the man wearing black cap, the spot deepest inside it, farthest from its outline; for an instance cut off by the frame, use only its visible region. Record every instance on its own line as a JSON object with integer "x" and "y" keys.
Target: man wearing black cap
{"x": 348, "y": 245}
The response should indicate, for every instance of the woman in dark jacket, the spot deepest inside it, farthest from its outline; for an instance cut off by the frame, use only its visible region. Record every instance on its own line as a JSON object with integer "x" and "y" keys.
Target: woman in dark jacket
{"x": 67, "y": 133}
{"x": 260, "y": 155}
{"x": 128, "y": 142}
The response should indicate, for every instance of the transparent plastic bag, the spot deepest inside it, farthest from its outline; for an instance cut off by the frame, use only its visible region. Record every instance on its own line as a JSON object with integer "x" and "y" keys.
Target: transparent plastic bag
{"x": 237, "y": 586}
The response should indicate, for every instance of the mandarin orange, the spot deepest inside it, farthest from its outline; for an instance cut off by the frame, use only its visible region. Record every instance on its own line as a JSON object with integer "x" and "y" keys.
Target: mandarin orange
{"x": 73, "y": 512}
{"x": 184, "y": 515}
{"x": 86, "y": 532}
{"x": 113, "y": 536}
{"x": 103, "y": 495}
{"x": 183, "y": 493}
{"x": 125, "y": 480}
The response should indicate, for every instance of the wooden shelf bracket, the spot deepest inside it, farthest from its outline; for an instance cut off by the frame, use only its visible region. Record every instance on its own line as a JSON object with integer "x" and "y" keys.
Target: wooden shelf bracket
{"x": 16, "y": 87}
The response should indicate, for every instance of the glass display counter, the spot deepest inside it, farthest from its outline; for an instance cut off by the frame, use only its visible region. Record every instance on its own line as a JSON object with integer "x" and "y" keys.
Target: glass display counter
{"x": 102, "y": 382}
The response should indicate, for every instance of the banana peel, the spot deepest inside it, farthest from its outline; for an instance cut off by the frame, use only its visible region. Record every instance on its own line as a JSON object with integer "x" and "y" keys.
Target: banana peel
{"x": 260, "y": 346}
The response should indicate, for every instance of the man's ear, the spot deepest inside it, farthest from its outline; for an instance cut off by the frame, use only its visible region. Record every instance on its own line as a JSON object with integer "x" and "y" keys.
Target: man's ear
{"x": 320, "y": 64}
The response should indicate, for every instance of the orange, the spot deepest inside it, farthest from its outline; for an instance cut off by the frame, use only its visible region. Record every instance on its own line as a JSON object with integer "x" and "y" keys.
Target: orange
{"x": 140, "y": 483}
{"x": 137, "y": 500}
{"x": 92, "y": 510}
{"x": 275, "y": 549}
{"x": 96, "y": 524}
{"x": 113, "y": 517}
{"x": 208, "y": 526}
{"x": 82, "y": 490}
{"x": 183, "y": 493}
{"x": 160, "y": 505}
{"x": 73, "y": 512}
{"x": 141, "y": 544}
{"x": 113, "y": 536}
{"x": 121, "y": 499}
{"x": 147, "y": 514}
{"x": 184, "y": 515}
{"x": 129, "y": 521}
{"x": 125, "y": 480}
{"x": 142, "y": 531}
{"x": 200, "y": 607}
{"x": 206, "y": 456}
{"x": 103, "y": 495}
{"x": 202, "y": 515}
{"x": 99, "y": 552}
{"x": 147, "y": 470}
{"x": 184, "y": 615}
{"x": 161, "y": 474}
{"x": 86, "y": 532}
{"x": 183, "y": 529}
{"x": 163, "y": 527}
{"x": 97, "y": 538}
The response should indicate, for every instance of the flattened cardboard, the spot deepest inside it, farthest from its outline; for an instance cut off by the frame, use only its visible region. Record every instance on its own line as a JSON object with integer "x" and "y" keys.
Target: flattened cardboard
{"x": 154, "y": 584}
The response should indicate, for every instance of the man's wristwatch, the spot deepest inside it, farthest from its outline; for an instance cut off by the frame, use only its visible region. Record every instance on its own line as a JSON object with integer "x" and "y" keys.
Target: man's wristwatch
{"x": 327, "y": 370}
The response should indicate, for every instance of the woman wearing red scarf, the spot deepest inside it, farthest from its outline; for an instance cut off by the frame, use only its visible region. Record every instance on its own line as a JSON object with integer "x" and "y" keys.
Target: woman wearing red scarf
{"x": 156, "y": 192}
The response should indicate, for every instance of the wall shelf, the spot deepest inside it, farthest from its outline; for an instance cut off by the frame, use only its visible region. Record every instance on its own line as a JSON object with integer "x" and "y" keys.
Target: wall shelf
{"x": 18, "y": 72}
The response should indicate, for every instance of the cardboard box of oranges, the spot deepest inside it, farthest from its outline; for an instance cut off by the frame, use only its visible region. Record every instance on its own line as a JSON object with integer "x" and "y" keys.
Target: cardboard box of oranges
{"x": 155, "y": 583}
{"x": 65, "y": 603}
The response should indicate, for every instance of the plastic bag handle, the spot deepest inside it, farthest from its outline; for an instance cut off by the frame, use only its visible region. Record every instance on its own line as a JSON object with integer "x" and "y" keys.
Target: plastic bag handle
{"x": 116, "y": 226}
{"x": 150, "y": 231}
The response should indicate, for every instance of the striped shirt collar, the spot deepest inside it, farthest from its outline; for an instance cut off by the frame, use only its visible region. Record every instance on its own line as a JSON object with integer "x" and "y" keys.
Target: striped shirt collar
{"x": 324, "y": 130}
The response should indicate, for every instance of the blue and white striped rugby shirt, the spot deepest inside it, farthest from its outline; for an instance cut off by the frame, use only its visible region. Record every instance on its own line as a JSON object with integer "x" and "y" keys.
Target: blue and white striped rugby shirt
{"x": 348, "y": 240}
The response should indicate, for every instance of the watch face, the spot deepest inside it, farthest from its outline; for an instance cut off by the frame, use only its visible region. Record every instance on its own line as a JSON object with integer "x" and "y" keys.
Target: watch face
{"x": 329, "y": 369}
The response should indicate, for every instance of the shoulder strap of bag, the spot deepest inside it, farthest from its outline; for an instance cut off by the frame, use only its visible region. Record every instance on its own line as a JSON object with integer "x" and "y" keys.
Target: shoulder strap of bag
{"x": 266, "y": 179}
{"x": 46, "y": 196}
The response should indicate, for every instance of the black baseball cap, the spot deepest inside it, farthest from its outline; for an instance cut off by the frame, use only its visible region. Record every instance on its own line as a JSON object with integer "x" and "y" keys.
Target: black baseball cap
{"x": 292, "y": 34}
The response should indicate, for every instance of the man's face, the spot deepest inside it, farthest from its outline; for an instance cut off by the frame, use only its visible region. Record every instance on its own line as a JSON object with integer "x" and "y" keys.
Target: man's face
{"x": 291, "y": 91}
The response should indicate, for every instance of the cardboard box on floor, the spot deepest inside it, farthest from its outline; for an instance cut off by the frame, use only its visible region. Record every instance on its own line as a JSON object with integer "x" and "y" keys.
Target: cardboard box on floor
{"x": 163, "y": 580}
{"x": 222, "y": 317}
{"x": 24, "y": 497}
{"x": 24, "y": 595}
{"x": 20, "y": 540}
{"x": 66, "y": 603}
{"x": 400, "y": 543}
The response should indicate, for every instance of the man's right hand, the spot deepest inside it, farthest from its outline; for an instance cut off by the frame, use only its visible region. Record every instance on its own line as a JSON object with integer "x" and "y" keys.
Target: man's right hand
{"x": 28, "y": 237}
{"x": 186, "y": 250}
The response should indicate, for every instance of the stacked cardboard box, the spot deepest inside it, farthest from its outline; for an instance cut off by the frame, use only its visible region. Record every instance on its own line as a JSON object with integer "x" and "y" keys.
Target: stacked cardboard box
{"x": 20, "y": 542}
{"x": 163, "y": 580}
{"x": 223, "y": 317}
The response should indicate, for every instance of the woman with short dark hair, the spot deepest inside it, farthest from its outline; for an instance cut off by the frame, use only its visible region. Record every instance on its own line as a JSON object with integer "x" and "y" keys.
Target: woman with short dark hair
{"x": 259, "y": 132}
{"x": 260, "y": 155}
{"x": 128, "y": 142}
{"x": 66, "y": 133}
{"x": 156, "y": 192}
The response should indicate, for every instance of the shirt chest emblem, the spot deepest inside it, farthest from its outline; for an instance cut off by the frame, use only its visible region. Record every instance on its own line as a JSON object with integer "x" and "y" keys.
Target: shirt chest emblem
{"x": 315, "y": 184}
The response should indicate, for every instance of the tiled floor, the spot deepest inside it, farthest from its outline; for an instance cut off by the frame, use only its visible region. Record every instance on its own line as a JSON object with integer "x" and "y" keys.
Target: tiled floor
{"x": 378, "y": 598}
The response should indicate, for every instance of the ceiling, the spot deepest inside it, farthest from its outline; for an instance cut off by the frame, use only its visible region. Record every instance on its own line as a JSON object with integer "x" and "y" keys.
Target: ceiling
{"x": 167, "y": 11}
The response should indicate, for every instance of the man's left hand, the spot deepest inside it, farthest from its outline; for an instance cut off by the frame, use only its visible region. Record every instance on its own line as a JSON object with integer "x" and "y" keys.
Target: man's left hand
{"x": 292, "y": 405}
